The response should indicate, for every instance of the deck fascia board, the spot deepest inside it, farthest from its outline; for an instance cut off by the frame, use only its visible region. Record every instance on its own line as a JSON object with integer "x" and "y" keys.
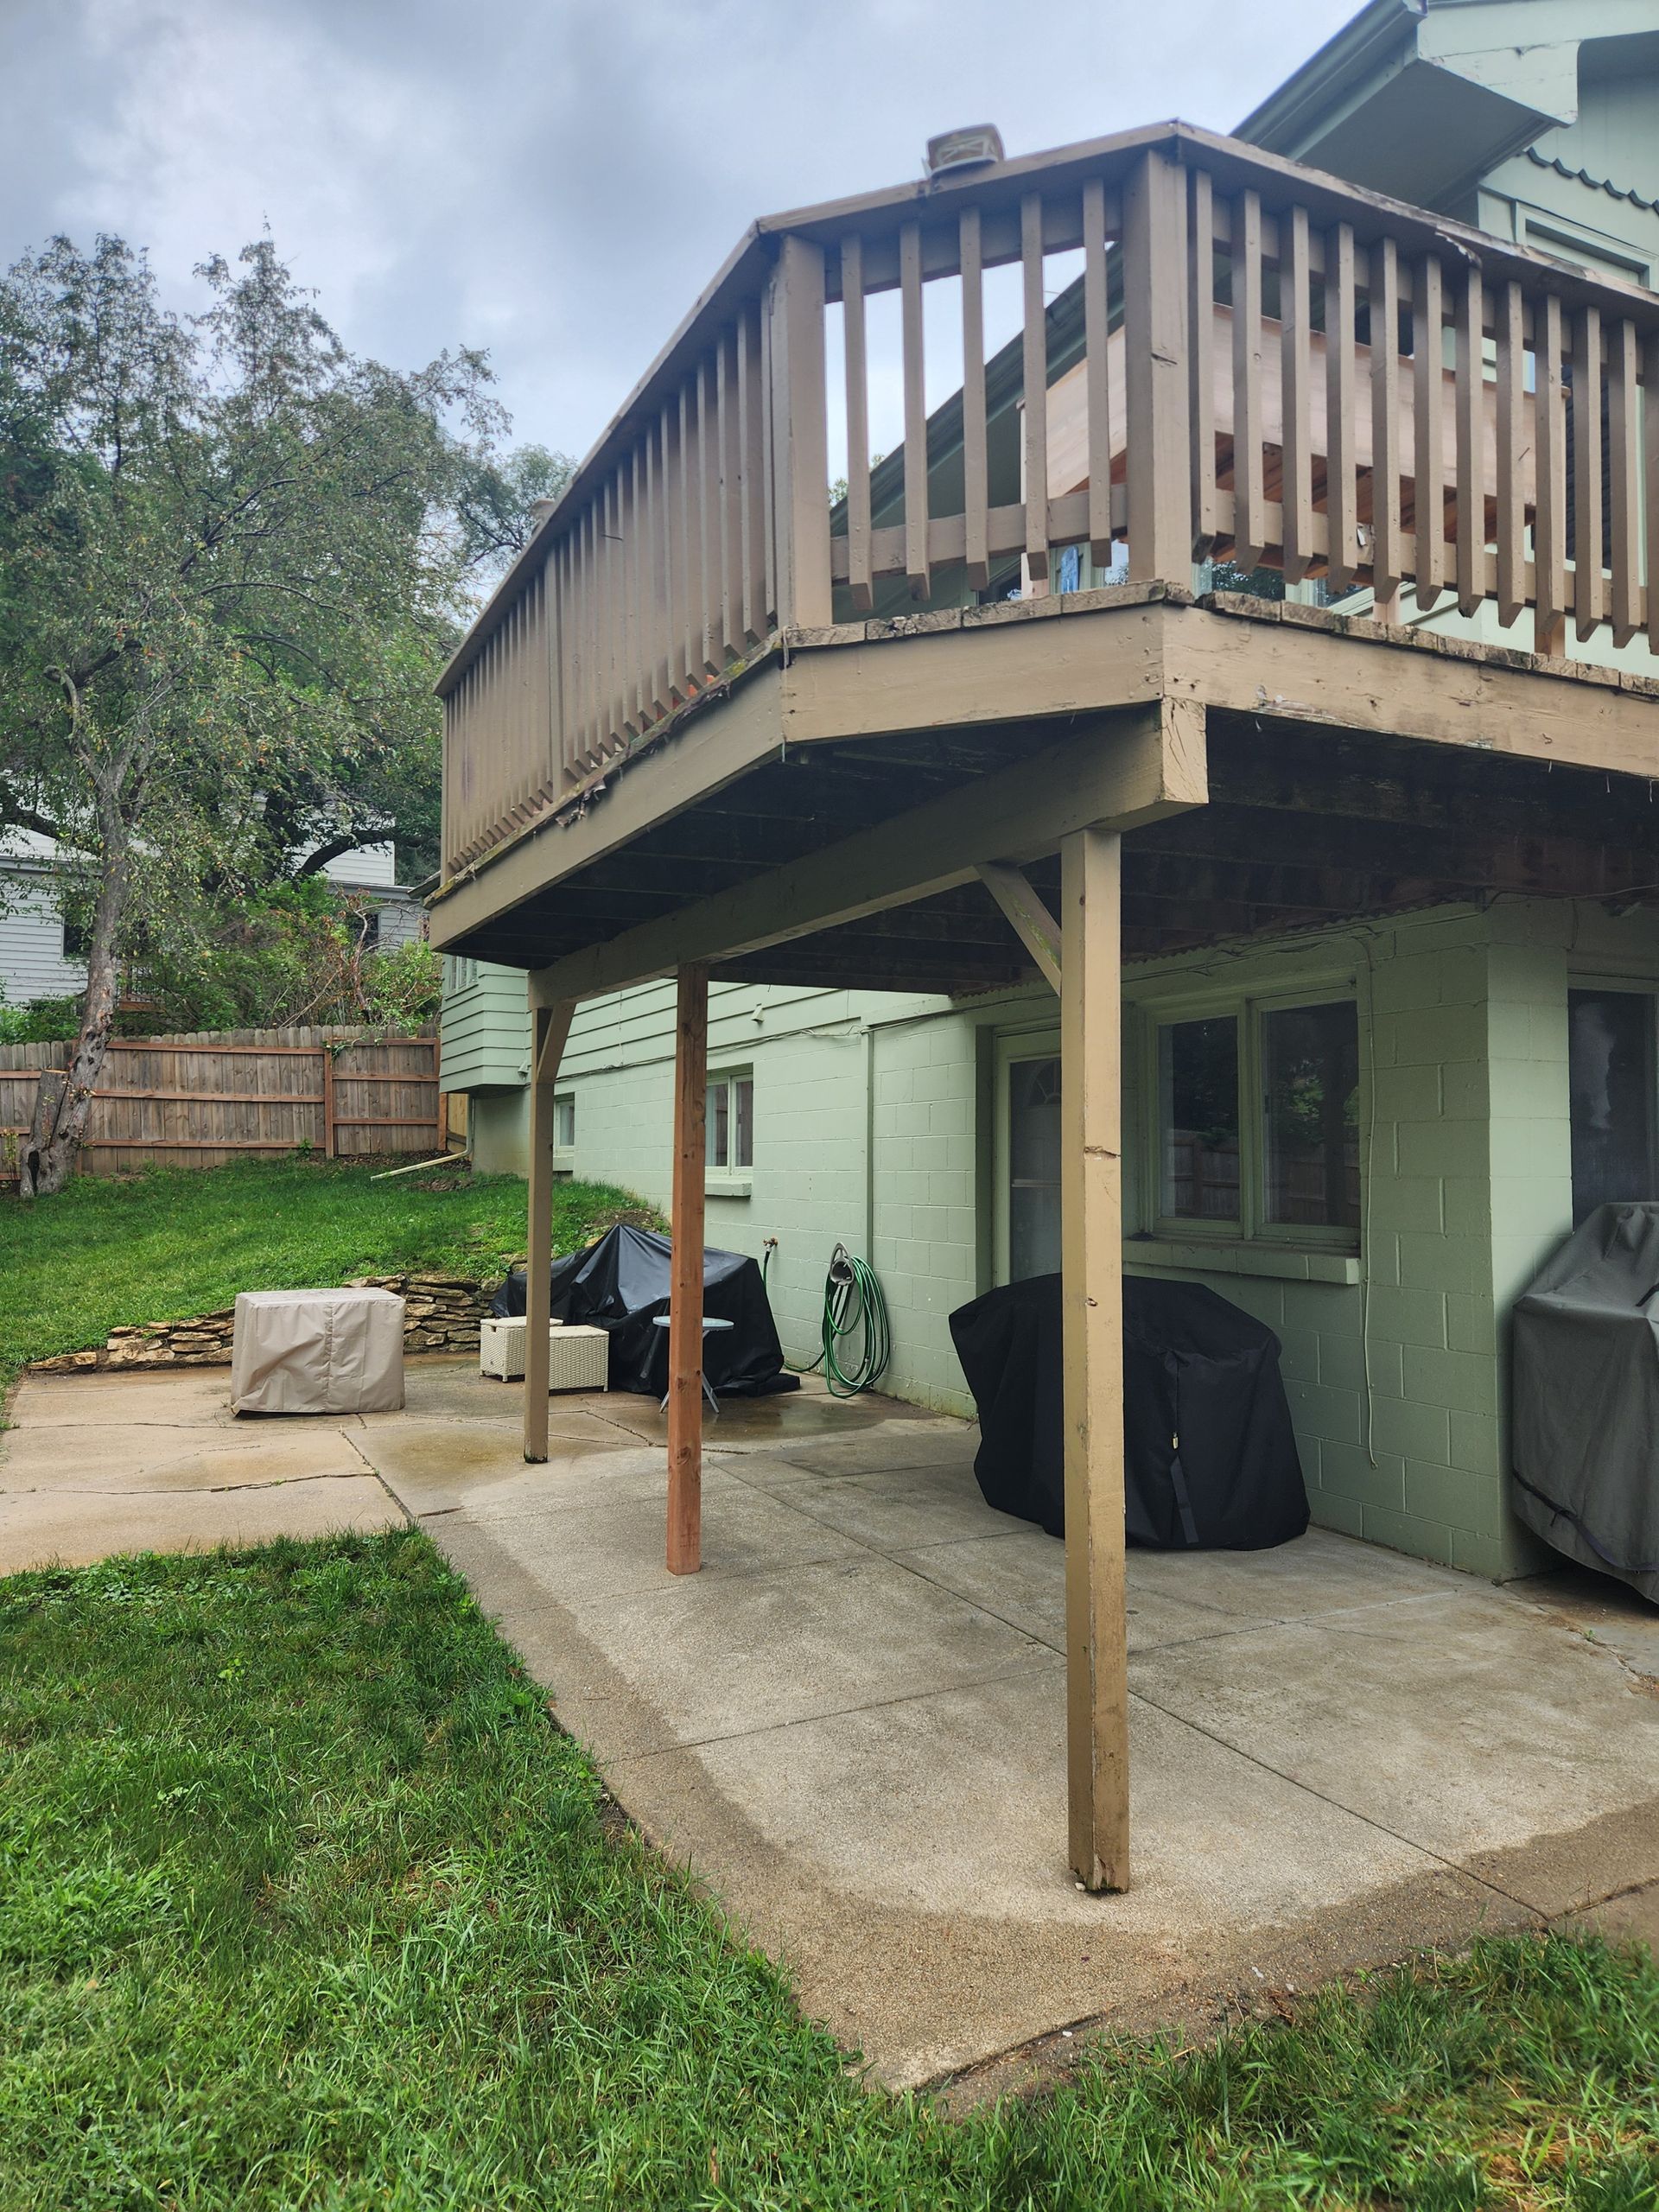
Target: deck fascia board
{"x": 1080, "y": 654}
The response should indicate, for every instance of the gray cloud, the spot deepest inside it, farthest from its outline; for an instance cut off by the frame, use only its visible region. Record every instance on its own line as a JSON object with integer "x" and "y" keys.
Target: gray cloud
{"x": 554, "y": 179}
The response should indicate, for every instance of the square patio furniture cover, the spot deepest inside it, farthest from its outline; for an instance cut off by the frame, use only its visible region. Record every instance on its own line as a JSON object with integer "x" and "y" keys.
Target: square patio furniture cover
{"x": 1210, "y": 1453}
{"x": 1585, "y": 1436}
{"x": 317, "y": 1352}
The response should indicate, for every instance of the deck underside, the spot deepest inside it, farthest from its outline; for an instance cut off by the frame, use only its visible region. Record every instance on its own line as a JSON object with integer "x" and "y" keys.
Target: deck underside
{"x": 1352, "y": 770}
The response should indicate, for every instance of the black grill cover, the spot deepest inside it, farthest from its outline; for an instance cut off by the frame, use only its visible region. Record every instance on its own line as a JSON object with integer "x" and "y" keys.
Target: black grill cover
{"x": 1585, "y": 1432}
{"x": 1195, "y": 1369}
{"x": 621, "y": 1283}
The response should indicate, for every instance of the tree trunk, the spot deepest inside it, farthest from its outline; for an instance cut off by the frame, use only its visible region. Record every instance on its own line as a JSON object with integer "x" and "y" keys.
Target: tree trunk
{"x": 45, "y": 1165}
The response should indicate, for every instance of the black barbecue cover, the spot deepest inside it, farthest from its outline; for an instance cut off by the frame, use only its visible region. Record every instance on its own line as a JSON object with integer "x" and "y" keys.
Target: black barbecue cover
{"x": 1211, "y": 1456}
{"x": 622, "y": 1284}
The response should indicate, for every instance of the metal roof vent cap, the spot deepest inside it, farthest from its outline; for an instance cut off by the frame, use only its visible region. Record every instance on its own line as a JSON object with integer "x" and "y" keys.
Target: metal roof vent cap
{"x": 969, "y": 149}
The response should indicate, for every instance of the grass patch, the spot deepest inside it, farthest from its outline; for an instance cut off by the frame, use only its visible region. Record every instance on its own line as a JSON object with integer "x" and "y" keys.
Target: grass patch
{"x": 105, "y": 1254}
{"x": 304, "y": 1902}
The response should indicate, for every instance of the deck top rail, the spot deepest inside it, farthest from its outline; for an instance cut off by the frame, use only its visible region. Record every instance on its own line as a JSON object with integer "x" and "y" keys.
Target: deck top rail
{"x": 1248, "y": 361}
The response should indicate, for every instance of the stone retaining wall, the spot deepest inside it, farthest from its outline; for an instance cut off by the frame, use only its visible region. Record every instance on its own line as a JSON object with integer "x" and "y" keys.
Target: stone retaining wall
{"x": 441, "y": 1313}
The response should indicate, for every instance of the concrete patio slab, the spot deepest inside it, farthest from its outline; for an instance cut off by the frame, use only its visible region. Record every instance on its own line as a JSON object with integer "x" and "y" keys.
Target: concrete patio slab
{"x": 1014, "y": 1577}
{"x": 1490, "y": 1716}
{"x": 436, "y": 1464}
{"x": 613, "y": 1550}
{"x": 173, "y": 1457}
{"x": 849, "y": 1725}
{"x": 906, "y": 1861}
{"x": 54, "y": 1528}
{"x": 889, "y": 1512}
{"x": 195, "y": 1397}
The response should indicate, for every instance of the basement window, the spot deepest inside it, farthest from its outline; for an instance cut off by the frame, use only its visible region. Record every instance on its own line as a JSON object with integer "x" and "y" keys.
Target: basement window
{"x": 1255, "y": 1125}
{"x": 564, "y": 1122}
{"x": 728, "y": 1142}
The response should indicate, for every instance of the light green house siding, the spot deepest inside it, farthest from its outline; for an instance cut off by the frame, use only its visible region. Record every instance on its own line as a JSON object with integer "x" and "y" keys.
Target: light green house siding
{"x": 484, "y": 1051}
{"x": 878, "y": 1123}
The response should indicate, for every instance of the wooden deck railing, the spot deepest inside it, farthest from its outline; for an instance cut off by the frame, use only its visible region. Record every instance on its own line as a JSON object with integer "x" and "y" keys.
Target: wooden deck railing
{"x": 1256, "y": 363}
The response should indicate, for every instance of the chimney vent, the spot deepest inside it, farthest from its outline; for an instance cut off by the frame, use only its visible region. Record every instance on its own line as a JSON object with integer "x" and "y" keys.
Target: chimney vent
{"x": 969, "y": 149}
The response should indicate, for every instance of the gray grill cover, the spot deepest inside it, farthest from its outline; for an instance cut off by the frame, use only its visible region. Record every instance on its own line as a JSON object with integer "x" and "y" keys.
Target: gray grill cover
{"x": 1585, "y": 1445}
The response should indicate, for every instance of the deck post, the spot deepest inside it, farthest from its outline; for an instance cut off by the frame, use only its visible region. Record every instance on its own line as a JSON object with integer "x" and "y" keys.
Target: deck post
{"x": 550, "y": 1027}
{"x": 685, "y": 1291}
{"x": 1159, "y": 462}
{"x": 1091, "y": 1205}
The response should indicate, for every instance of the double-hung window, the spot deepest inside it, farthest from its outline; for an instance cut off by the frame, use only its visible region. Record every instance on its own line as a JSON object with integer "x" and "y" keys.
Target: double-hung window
{"x": 1256, "y": 1121}
{"x": 728, "y": 1142}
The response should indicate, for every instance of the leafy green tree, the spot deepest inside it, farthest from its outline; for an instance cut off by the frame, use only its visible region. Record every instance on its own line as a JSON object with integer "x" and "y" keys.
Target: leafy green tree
{"x": 232, "y": 556}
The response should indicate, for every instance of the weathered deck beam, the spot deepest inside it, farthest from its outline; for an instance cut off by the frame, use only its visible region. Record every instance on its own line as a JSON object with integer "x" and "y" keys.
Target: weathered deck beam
{"x": 1281, "y": 667}
{"x": 1128, "y": 769}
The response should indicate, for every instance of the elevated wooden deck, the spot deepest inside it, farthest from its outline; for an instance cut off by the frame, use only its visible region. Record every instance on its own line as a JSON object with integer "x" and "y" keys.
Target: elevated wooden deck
{"x": 722, "y": 719}
{"x": 709, "y": 664}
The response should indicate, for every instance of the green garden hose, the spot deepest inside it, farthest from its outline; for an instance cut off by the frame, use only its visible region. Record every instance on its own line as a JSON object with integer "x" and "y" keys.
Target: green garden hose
{"x": 853, "y": 1308}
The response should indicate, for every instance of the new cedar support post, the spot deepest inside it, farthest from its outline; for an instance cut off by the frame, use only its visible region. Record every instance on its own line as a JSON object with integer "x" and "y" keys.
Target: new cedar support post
{"x": 1091, "y": 1206}
{"x": 550, "y": 1027}
{"x": 686, "y": 1289}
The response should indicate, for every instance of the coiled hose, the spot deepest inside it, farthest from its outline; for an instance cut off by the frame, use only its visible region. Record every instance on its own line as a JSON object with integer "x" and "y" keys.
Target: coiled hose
{"x": 853, "y": 1308}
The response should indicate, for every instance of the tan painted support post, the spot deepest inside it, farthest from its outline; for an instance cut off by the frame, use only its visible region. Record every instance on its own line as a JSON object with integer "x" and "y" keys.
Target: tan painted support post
{"x": 1091, "y": 1207}
{"x": 685, "y": 1287}
{"x": 1159, "y": 460}
{"x": 549, "y": 1026}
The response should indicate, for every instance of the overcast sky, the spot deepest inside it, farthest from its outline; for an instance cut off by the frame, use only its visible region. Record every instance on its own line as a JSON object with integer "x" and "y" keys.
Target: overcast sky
{"x": 550, "y": 180}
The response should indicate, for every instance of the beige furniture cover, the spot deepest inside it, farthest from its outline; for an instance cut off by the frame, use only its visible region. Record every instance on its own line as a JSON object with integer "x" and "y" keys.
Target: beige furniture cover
{"x": 317, "y": 1352}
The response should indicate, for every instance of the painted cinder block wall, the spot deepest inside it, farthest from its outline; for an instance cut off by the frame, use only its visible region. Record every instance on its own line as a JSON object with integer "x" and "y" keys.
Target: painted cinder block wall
{"x": 875, "y": 1115}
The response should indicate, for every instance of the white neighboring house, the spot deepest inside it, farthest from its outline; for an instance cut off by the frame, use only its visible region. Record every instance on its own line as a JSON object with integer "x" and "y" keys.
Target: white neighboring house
{"x": 396, "y": 913}
{"x": 41, "y": 955}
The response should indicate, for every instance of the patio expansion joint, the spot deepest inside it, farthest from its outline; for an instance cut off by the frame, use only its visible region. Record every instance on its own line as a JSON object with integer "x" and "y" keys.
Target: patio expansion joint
{"x": 1007, "y": 1673}
{"x": 369, "y": 1468}
{"x": 1324, "y": 1798}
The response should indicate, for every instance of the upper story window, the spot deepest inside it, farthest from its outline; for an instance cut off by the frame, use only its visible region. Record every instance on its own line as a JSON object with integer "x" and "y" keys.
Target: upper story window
{"x": 728, "y": 1142}
{"x": 76, "y": 939}
{"x": 1256, "y": 1122}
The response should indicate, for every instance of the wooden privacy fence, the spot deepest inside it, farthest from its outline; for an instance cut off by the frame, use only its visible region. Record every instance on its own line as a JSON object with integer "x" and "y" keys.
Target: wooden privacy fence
{"x": 1221, "y": 354}
{"x": 206, "y": 1099}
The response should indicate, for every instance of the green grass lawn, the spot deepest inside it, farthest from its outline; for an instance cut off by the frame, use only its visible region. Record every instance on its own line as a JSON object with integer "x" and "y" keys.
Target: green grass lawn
{"x": 105, "y": 1255}
{"x": 305, "y": 1902}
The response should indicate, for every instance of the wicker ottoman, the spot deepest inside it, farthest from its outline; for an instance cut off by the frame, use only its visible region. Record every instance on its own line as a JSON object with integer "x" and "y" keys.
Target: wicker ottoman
{"x": 317, "y": 1352}
{"x": 578, "y": 1358}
